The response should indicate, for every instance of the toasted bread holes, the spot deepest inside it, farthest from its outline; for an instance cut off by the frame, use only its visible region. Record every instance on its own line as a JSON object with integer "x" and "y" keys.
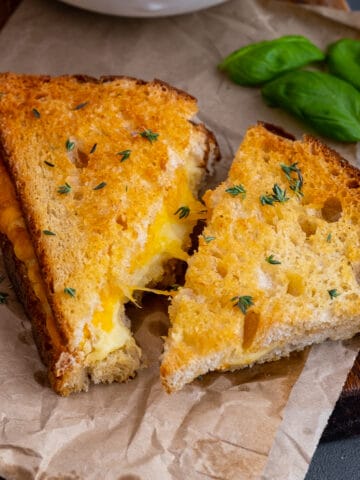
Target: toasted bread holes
{"x": 353, "y": 184}
{"x": 295, "y": 285}
{"x": 307, "y": 225}
{"x": 122, "y": 221}
{"x": 81, "y": 159}
{"x": 356, "y": 270}
{"x": 251, "y": 323}
{"x": 331, "y": 210}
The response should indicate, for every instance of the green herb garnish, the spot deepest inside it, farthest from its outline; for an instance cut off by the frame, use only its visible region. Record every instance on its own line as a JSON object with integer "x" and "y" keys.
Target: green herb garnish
{"x": 236, "y": 190}
{"x": 183, "y": 212}
{"x": 175, "y": 287}
{"x": 70, "y": 291}
{"x": 93, "y": 148}
{"x": 149, "y": 135}
{"x": 296, "y": 184}
{"x": 333, "y": 293}
{"x": 81, "y": 105}
{"x": 69, "y": 145}
{"x": 266, "y": 200}
{"x": 36, "y": 113}
{"x": 279, "y": 195}
{"x": 243, "y": 302}
{"x": 3, "y": 297}
{"x": 64, "y": 188}
{"x": 328, "y": 238}
{"x": 208, "y": 239}
{"x": 100, "y": 186}
{"x": 48, "y": 232}
{"x": 270, "y": 259}
{"x": 49, "y": 164}
{"x": 125, "y": 154}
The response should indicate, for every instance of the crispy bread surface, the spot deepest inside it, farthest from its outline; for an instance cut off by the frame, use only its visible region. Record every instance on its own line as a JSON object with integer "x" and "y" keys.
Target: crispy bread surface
{"x": 296, "y": 260}
{"x": 99, "y": 168}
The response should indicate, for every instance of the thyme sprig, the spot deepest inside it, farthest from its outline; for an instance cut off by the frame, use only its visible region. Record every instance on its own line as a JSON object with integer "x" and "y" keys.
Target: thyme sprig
{"x": 278, "y": 195}
{"x": 236, "y": 190}
{"x": 64, "y": 189}
{"x": 243, "y": 302}
{"x": 296, "y": 184}
{"x": 149, "y": 135}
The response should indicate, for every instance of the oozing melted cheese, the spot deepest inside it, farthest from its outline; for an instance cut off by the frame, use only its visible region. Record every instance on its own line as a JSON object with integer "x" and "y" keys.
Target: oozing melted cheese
{"x": 165, "y": 240}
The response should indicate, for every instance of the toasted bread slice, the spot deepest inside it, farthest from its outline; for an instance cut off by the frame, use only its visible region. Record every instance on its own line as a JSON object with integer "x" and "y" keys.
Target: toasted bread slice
{"x": 99, "y": 180}
{"x": 277, "y": 268}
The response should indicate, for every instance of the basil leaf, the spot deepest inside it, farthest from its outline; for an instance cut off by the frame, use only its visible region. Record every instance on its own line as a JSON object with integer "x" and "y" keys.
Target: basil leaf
{"x": 327, "y": 104}
{"x": 260, "y": 62}
{"x": 343, "y": 59}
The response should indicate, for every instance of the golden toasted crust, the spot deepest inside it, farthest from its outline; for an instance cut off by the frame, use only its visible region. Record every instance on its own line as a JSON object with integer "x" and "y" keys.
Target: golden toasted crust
{"x": 313, "y": 293}
{"x": 71, "y": 130}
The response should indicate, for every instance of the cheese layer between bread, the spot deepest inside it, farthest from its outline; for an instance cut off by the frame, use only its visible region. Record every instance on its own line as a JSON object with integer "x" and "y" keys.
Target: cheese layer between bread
{"x": 272, "y": 273}
{"x": 131, "y": 163}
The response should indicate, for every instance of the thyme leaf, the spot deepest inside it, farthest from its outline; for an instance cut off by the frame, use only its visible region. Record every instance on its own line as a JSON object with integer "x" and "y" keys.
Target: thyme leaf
{"x": 93, "y": 148}
{"x": 149, "y": 135}
{"x": 270, "y": 259}
{"x": 48, "y": 232}
{"x": 125, "y": 154}
{"x": 69, "y": 145}
{"x": 81, "y": 105}
{"x": 243, "y": 302}
{"x": 333, "y": 293}
{"x": 183, "y": 212}
{"x": 100, "y": 186}
{"x": 208, "y": 239}
{"x": 70, "y": 291}
{"x": 236, "y": 190}
{"x": 63, "y": 189}
{"x": 36, "y": 113}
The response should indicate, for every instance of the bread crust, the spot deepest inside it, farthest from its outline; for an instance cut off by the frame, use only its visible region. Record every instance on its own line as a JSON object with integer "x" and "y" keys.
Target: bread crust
{"x": 314, "y": 235}
{"x": 66, "y": 372}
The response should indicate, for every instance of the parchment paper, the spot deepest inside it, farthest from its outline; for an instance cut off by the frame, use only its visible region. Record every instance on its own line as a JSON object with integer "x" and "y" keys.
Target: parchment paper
{"x": 231, "y": 426}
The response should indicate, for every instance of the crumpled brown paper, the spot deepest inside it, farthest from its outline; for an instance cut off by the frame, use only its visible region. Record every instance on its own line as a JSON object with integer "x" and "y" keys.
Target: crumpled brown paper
{"x": 232, "y": 426}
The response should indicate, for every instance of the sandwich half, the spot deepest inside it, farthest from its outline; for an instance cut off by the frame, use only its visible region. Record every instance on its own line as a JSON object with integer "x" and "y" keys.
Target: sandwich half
{"x": 98, "y": 195}
{"x": 278, "y": 265}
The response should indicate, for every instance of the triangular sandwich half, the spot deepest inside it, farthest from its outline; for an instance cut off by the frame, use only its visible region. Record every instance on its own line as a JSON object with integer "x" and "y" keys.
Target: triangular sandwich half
{"x": 278, "y": 265}
{"x": 98, "y": 186}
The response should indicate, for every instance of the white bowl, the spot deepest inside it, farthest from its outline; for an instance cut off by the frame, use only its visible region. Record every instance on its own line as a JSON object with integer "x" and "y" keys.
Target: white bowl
{"x": 143, "y": 8}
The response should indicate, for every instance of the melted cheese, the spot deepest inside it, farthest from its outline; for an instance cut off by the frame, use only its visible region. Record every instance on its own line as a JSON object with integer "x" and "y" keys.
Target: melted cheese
{"x": 165, "y": 239}
{"x": 13, "y": 226}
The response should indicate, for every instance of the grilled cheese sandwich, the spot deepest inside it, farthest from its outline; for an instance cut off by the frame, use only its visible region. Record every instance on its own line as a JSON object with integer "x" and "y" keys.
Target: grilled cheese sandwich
{"x": 278, "y": 263}
{"x": 100, "y": 182}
